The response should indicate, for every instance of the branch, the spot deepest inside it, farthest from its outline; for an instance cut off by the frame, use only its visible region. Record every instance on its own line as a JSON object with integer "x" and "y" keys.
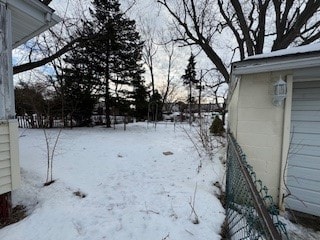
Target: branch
{"x": 199, "y": 38}
{"x": 69, "y": 46}
{"x": 233, "y": 29}
{"x": 31, "y": 65}
{"x": 283, "y": 40}
{"x": 260, "y": 37}
{"x": 311, "y": 39}
{"x": 243, "y": 25}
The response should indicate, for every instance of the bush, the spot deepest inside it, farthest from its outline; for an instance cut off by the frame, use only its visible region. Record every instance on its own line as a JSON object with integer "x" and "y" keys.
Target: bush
{"x": 217, "y": 127}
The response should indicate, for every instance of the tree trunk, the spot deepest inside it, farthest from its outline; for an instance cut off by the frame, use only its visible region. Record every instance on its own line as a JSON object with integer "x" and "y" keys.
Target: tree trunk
{"x": 190, "y": 96}
{"x": 107, "y": 105}
{"x": 107, "y": 99}
{"x": 152, "y": 80}
{"x": 199, "y": 98}
{"x": 107, "y": 93}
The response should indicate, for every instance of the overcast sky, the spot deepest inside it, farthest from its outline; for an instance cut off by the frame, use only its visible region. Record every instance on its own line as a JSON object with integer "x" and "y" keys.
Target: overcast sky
{"x": 145, "y": 12}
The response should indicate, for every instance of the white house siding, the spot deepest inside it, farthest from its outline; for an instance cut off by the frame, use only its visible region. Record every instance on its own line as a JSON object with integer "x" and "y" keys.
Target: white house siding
{"x": 259, "y": 129}
{"x": 5, "y": 165}
{"x": 303, "y": 175}
{"x": 9, "y": 163}
{"x": 5, "y": 65}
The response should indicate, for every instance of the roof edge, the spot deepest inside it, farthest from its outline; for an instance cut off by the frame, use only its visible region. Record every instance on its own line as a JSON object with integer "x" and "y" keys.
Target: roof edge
{"x": 272, "y": 64}
{"x": 46, "y": 16}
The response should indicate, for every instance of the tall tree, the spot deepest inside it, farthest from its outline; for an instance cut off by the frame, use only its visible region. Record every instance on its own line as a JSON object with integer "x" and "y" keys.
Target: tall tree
{"x": 252, "y": 26}
{"x": 169, "y": 86}
{"x": 139, "y": 96}
{"x": 251, "y": 23}
{"x": 190, "y": 79}
{"x": 117, "y": 52}
{"x": 77, "y": 87}
{"x": 150, "y": 50}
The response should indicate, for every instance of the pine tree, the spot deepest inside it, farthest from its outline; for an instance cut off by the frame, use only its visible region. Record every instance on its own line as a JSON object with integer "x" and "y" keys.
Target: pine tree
{"x": 116, "y": 53}
{"x": 217, "y": 127}
{"x": 190, "y": 79}
{"x": 139, "y": 97}
{"x": 77, "y": 87}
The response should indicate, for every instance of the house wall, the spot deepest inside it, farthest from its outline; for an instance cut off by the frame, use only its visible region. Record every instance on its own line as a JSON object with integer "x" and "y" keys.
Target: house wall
{"x": 259, "y": 127}
{"x": 233, "y": 108}
{"x": 9, "y": 161}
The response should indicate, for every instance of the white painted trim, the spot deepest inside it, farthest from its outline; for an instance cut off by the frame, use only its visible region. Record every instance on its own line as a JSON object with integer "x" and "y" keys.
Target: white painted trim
{"x": 10, "y": 103}
{"x": 29, "y": 6}
{"x": 5, "y": 64}
{"x": 31, "y": 35}
{"x": 273, "y": 65}
{"x": 35, "y": 9}
{"x": 285, "y": 141}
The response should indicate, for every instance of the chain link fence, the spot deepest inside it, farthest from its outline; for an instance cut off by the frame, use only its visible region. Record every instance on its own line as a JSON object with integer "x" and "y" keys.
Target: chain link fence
{"x": 251, "y": 212}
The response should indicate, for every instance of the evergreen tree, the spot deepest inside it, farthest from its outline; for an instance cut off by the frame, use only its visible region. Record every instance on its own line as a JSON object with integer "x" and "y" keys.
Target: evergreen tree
{"x": 116, "y": 53}
{"x": 217, "y": 127}
{"x": 156, "y": 106}
{"x": 29, "y": 100}
{"x": 139, "y": 96}
{"x": 77, "y": 87}
{"x": 190, "y": 79}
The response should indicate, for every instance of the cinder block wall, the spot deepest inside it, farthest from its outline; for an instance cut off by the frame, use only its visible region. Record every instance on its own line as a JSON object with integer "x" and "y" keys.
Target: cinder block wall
{"x": 257, "y": 126}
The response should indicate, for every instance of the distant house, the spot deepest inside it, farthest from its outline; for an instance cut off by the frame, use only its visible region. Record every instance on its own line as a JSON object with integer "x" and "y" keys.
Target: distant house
{"x": 181, "y": 106}
{"x": 274, "y": 113}
{"x": 20, "y": 20}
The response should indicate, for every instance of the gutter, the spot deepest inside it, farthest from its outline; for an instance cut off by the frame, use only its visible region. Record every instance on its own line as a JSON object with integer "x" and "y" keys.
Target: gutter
{"x": 272, "y": 66}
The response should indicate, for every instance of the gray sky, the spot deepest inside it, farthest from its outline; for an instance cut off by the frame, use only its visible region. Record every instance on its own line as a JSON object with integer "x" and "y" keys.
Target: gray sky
{"x": 145, "y": 12}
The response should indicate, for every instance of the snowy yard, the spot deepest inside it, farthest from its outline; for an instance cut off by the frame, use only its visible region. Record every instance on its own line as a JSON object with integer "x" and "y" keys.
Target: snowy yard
{"x": 132, "y": 190}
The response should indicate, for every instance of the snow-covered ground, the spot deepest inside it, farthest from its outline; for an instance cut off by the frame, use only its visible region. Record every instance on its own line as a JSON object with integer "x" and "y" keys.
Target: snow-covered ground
{"x": 137, "y": 184}
{"x": 134, "y": 187}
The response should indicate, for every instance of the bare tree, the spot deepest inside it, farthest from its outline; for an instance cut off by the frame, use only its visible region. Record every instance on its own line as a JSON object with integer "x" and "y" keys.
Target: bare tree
{"x": 150, "y": 49}
{"x": 201, "y": 22}
{"x": 295, "y": 23}
{"x": 195, "y": 24}
{"x": 58, "y": 40}
{"x": 53, "y": 43}
{"x": 169, "y": 88}
{"x": 172, "y": 96}
{"x": 51, "y": 148}
{"x": 255, "y": 26}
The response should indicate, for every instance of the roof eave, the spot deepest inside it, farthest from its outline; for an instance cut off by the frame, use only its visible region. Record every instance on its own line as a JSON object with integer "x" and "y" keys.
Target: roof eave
{"x": 240, "y": 68}
{"x": 41, "y": 13}
{"x": 54, "y": 20}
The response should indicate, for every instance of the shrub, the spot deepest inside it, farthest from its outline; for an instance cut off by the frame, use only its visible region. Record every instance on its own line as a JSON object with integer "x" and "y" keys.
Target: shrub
{"x": 217, "y": 127}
